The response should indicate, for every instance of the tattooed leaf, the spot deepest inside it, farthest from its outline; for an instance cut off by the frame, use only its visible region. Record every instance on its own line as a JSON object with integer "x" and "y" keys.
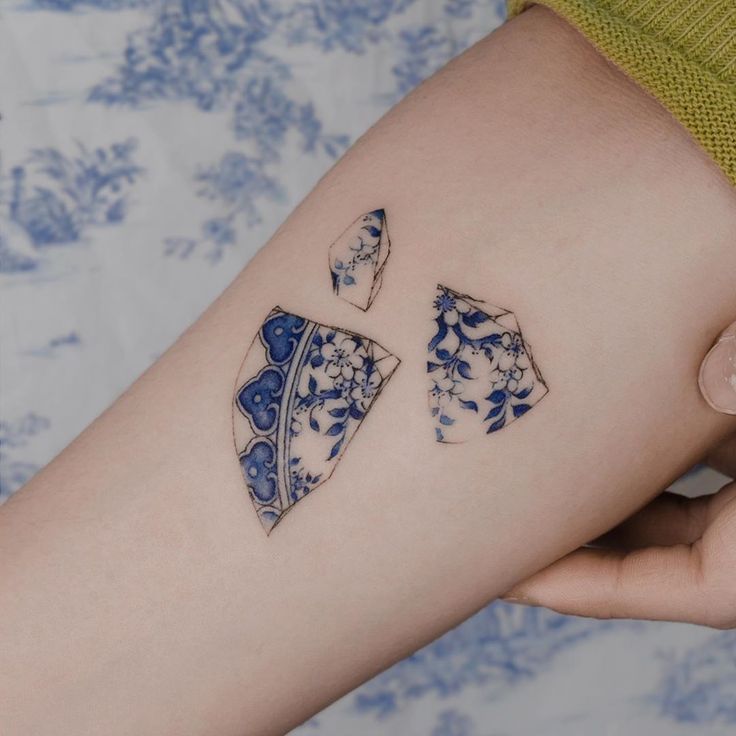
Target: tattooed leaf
{"x": 463, "y": 368}
{"x": 473, "y": 319}
{"x": 494, "y": 412}
{"x": 335, "y": 449}
{"x": 520, "y": 409}
{"x": 493, "y": 340}
{"x": 440, "y": 336}
{"x": 335, "y": 429}
{"x": 497, "y": 425}
{"x": 471, "y": 405}
{"x": 497, "y": 397}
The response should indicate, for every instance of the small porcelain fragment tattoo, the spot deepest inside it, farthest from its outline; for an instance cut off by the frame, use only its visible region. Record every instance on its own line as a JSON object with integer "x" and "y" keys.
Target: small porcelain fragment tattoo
{"x": 302, "y": 392}
{"x": 357, "y": 259}
{"x": 482, "y": 374}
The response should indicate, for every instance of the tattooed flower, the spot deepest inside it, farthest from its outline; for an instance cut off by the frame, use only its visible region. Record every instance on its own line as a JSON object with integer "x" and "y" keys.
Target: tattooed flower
{"x": 513, "y": 352}
{"x": 449, "y": 307}
{"x": 365, "y": 388}
{"x": 443, "y": 390}
{"x": 300, "y": 483}
{"x": 506, "y": 379}
{"x": 343, "y": 386}
{"x": 344, "y": 358}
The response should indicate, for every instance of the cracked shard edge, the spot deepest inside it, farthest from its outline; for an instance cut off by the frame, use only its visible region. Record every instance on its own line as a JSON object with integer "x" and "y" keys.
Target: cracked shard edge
{"x": 302, "y": 392}
{"x": 357, "y": 259}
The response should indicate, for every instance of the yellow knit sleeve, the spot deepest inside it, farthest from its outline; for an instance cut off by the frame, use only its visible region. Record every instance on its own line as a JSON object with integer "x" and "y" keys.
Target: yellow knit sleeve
{"x": 682, "y": 51}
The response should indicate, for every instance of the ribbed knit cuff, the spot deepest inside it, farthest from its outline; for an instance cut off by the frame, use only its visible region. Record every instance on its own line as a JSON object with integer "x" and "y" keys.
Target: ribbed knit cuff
{"x": 682, "y": 51}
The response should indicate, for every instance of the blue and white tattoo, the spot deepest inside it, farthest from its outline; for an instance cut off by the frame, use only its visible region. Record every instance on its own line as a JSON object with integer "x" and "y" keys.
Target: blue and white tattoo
{"x": 482, "y": 374}
{"x": 358, "y": 257}
{"x": 302, "y": 392}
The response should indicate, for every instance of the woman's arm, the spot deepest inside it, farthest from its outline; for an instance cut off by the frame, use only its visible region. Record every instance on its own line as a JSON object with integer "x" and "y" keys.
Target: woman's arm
{"x": 139, "y": 592}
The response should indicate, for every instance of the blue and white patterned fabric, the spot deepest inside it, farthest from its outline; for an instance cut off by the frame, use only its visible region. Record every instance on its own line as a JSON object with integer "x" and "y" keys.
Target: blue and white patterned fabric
{"x": 149, "y": 147}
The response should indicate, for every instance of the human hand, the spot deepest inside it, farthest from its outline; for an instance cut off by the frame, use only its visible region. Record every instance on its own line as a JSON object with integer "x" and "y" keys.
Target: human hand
{"x": 674, "y": 559}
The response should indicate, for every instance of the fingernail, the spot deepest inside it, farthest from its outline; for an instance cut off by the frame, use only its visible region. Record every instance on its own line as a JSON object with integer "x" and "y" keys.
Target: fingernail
{"x": 717, "y": 379}
{"x": 518, "y": 598}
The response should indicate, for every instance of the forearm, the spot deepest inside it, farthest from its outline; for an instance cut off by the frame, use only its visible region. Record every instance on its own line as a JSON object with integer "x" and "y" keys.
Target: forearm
{"x": 139, "y": 592}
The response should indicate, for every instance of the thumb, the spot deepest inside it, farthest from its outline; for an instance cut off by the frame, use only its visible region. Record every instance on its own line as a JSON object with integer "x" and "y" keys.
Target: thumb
{"x": 717, "y": 378}
{"x": 656, "y": 583}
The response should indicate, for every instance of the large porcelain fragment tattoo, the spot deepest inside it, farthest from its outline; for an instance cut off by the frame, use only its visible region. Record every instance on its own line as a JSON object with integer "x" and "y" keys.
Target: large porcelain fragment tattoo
{"x": 358, "y": 257}
{"x": 302, "y": 392}
{"x": 481, "y": 370}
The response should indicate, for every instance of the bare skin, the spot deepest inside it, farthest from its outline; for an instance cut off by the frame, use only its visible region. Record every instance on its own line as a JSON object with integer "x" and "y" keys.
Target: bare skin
{"x": 139, "y": 594}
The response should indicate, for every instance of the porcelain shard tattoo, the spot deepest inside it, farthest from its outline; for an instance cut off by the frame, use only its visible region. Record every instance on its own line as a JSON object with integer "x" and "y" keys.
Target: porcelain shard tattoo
{"x": 358, "y": 257}
{"x": 482, "y": 374}
{"x": 302, "y": 392}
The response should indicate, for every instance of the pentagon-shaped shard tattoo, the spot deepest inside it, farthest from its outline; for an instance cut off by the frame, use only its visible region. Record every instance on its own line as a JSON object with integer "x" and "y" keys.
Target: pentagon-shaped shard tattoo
{"x": 482, "y": 374}
{"x": 358, "y": 257}
{"x": 301, "y": 394}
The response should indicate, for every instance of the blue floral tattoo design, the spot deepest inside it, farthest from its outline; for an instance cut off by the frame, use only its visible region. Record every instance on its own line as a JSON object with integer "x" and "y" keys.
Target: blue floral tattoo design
{"x": 358, "y": 257}
{"x": 302, "y": 392}
{"x": 482, "y": 375}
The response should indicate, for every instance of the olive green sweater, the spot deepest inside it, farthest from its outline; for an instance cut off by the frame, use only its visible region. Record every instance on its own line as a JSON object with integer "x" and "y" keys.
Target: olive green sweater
{"x": 682, "y": 51}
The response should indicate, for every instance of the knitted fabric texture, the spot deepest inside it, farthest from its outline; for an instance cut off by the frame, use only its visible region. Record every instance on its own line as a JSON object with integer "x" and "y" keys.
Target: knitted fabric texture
{"x": 682, "y": 51}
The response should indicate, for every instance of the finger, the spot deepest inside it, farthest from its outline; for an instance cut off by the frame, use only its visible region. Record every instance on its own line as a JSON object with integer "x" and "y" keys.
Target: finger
{"x": 723, "y": 457}
{"x": 667, "y": 583}
{"x": 669, "y": 519}
{"x": 658, "y": 583}
{"x": 717, "y": 379}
